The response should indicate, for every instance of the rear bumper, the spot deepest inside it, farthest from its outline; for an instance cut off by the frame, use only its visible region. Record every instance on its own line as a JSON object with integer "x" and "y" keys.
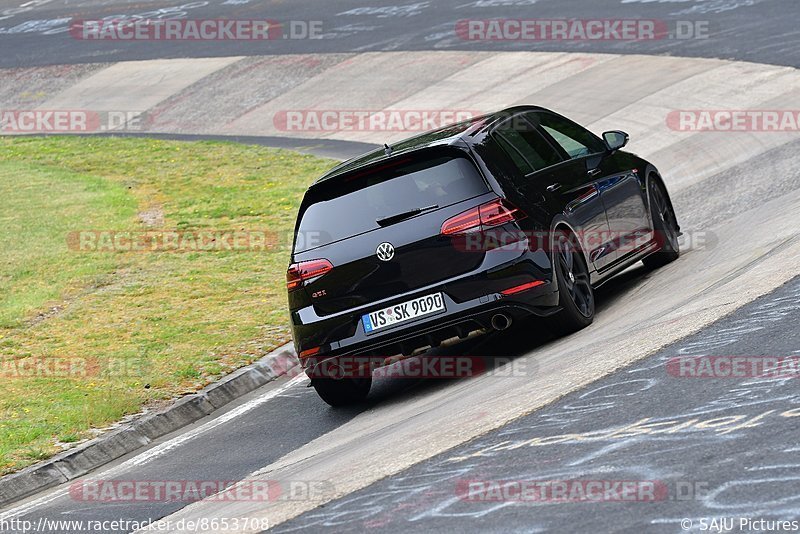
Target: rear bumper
{"x": 343, "y": 334}
{"x": 458, "y": 323}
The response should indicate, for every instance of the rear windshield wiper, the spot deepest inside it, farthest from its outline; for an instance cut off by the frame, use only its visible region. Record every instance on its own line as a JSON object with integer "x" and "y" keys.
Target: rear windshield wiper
{"x": 394, "y": 219}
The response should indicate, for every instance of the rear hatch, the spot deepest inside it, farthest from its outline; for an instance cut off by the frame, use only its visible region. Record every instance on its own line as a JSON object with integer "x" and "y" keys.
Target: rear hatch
{"x": 403, "y": 202}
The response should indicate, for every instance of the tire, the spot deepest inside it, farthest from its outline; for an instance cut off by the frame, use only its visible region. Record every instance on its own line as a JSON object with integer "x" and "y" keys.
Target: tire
{"x": 342, "y": 391}
{"x": 575, "y": 292}
{"x": 665, "y": 227}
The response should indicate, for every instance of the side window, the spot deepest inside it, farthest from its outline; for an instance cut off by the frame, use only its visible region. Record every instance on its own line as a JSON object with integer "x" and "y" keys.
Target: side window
{"x": 574, "y": 139}
{"x": 528, "y": 150}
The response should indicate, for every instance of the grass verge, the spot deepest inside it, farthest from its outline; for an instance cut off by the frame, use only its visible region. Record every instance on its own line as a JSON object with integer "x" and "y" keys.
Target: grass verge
{"x": 89, "y": 337}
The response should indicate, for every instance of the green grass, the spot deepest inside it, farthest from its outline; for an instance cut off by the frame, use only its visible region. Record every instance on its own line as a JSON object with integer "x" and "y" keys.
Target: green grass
{"x": 151, "y": 325}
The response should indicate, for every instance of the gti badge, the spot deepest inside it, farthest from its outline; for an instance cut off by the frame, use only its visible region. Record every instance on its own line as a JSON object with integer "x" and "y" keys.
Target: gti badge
{"x": 385, "y": 252}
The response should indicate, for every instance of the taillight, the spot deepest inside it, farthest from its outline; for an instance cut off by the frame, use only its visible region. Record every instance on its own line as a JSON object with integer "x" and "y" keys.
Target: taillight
{"x": 519, "y": 289}
{"x": 309, "y": 353}
{"x": 469, "y": 221}
{"x": 305, "y": 270}
{"x": 483, "y": 217}
{"x": 498, "y": 212}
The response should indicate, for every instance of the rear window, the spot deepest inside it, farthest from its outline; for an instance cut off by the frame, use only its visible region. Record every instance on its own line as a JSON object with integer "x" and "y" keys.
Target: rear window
{"x": 353, "y": 204}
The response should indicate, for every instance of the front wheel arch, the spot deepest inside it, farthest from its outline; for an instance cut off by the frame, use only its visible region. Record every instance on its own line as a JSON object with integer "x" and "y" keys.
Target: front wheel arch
{"x": 570, "y": 318}
{"x": 667, "y": 251}
{"x": 652, "y": 175}
{"x": 564, "y": 226}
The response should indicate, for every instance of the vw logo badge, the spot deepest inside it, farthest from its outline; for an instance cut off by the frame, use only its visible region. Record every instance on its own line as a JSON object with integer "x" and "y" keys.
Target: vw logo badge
{"x": 385, "y": 251}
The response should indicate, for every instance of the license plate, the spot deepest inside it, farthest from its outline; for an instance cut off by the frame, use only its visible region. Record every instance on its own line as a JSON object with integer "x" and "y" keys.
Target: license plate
{"x": 402, "y": 313}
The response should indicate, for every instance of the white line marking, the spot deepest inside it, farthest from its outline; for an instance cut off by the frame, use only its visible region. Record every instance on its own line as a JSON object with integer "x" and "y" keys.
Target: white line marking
{"x": 160, "y": 450}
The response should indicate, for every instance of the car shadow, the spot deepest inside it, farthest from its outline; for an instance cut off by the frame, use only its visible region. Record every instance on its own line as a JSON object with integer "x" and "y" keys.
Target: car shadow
{"x": 621, "y": 285}
{"x": 494, "y": 350}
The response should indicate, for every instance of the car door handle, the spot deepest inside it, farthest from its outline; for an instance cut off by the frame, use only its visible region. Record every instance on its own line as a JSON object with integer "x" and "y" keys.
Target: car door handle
{"x": 593, "y": 172}
{"x": 553, "y": 187}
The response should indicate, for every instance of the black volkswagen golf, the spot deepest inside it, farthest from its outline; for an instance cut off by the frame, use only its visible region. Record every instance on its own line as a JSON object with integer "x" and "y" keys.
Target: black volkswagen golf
{"x": 464, "y": 230}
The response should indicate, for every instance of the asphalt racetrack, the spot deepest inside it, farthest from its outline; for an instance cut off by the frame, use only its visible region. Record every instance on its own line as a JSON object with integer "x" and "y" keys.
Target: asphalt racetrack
{"x": 36, "y": 32}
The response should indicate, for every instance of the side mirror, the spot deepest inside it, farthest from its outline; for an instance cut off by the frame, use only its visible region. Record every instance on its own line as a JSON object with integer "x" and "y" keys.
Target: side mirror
{"x": 615, "y": 140}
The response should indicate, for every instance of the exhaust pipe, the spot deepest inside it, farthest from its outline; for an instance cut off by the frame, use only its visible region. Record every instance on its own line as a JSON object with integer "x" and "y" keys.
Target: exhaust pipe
{"x": 330, "y": 370}
{"x": 501, "y": 322}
